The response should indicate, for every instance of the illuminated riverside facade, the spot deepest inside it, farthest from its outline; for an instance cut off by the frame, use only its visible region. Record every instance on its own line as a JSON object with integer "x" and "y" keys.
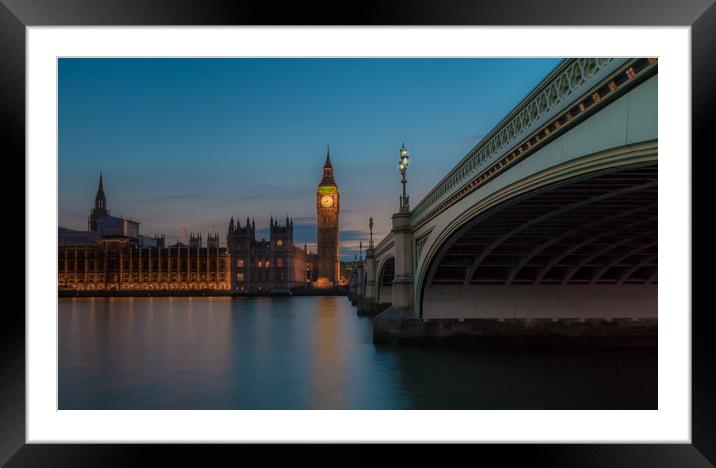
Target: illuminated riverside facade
{"x": 121, "y": 265}
{"x": 113, "y": 256}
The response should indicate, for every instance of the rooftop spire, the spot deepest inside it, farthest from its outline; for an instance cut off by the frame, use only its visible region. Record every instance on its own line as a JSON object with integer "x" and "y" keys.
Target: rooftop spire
{"x": 328, "y": 157}
{"x": 100, "y": 200}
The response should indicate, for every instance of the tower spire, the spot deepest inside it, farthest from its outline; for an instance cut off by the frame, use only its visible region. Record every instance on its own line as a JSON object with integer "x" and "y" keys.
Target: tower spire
{"x": 328, "y": 170}
{"x": 328, "y": 156}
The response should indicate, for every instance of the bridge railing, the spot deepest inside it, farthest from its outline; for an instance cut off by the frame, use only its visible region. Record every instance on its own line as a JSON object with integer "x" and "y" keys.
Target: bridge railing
{"x": 560, "y": 89}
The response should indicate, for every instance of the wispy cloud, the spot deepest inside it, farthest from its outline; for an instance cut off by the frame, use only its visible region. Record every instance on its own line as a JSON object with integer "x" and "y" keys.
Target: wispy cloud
{"x": 175, "y": 197}
{"x": 353, "y": 234}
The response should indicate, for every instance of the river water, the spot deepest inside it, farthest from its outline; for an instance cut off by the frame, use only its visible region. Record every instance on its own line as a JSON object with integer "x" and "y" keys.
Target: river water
{"x": 313, "y": 353}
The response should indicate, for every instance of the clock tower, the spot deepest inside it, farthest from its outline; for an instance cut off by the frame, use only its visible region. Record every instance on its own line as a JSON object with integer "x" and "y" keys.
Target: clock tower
{"x": 327, "y": 209}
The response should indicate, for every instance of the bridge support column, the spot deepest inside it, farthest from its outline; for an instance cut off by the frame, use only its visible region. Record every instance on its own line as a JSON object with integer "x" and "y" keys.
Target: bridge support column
{"x": 370, "y": 275}
{"x": 403, "y": 282}
{"x": 368, "y": 304}
{"x": 391, "y": 324}
{"x": 359, "y": 283}
{"x": 355, "y": 288}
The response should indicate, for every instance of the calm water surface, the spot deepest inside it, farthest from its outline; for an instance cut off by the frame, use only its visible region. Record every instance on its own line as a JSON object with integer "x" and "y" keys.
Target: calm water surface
{"x": 313, "y": 353}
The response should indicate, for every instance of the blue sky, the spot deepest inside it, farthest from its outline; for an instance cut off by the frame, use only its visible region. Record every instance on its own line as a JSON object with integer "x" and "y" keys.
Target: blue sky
{"x": 193, "y": 141}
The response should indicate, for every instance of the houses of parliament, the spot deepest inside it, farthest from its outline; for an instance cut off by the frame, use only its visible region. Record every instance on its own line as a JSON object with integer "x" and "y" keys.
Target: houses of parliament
{"x": 111, "y": 255}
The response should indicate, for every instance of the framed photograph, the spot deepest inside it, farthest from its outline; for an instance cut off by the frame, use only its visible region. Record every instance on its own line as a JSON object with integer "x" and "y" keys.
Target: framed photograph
{"x": 409, "y": 224}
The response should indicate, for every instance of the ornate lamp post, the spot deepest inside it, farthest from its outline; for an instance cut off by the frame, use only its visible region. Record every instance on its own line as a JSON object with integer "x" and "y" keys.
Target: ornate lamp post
{"x": 403, "y": 167}
{"x": 370, "y": 225}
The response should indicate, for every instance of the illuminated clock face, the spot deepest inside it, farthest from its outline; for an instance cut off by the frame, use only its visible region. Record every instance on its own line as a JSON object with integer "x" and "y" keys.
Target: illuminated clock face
{"x": 327, "y": 201}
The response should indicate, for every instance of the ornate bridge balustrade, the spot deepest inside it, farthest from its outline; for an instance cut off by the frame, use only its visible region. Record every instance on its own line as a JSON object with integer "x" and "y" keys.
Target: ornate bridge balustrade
{"x": 574, "y": 90}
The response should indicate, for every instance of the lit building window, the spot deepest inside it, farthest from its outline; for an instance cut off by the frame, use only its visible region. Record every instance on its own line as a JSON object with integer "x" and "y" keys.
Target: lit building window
{"x": 240, "y": 263}
{"x": 267, "y": 263}
{"x": 279, "y": 263}
{"x": 239, "y": 277}
{"x": 261, "y": 263}
{"x": 279, "y": 243}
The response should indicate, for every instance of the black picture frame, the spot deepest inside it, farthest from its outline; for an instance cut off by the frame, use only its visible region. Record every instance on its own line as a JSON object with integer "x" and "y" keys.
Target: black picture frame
{"x": 16, "y": 15}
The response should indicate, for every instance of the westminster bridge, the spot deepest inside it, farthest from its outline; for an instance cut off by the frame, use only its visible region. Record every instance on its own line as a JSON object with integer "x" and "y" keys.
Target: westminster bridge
{"x": 548, "y": 227}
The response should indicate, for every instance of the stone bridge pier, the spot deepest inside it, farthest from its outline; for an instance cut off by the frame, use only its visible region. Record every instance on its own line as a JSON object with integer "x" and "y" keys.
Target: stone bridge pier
{"x": 367, "y": 302}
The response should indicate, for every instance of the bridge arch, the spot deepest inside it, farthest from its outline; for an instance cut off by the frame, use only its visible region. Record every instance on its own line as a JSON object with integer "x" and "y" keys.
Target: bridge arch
{"x": 384, "y": 280}
{"x": 363, "y": 282}
{"x": 589, "y": 221}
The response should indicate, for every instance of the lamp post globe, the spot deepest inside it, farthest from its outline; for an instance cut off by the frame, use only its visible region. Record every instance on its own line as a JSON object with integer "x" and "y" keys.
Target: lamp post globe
{"x": 403, "y": 168}
{"x": 404, "y": 156}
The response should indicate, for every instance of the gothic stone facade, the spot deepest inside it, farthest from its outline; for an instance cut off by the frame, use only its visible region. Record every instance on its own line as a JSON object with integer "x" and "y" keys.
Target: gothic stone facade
{"x": 269, "y": 265}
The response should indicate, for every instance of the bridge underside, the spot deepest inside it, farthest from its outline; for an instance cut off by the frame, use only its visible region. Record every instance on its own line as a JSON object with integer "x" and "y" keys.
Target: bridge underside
{"x": 583, "y": 248}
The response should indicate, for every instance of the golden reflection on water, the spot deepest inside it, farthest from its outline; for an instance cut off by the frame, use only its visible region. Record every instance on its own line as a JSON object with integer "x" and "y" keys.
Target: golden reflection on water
{"x": 128, "y": 337}
{"x": 311, "y": 353}
{"x": 328, "y": 371}
{"x": 182, "y": 353}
